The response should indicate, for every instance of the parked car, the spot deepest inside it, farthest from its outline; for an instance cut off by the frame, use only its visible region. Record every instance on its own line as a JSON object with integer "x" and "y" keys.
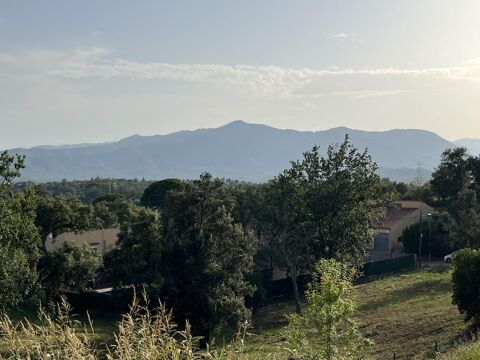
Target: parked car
{"x": 448, "y": 258}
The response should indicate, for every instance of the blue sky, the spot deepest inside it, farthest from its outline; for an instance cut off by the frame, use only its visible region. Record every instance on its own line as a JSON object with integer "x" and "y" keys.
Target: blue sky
{"x": 89, "y": 71}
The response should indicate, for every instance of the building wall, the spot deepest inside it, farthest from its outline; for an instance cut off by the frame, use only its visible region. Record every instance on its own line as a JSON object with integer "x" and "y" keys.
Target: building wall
{"x": 395, "y": 225}
{"x": 101, "y": 240}
{"x": 397, "y": 229}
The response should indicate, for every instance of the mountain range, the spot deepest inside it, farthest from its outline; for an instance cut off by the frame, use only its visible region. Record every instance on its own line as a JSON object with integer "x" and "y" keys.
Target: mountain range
{"x": 238, "y": 150}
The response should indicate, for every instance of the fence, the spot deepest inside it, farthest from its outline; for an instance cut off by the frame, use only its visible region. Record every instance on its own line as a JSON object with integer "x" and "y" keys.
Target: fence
{"x": 389, "y": 265}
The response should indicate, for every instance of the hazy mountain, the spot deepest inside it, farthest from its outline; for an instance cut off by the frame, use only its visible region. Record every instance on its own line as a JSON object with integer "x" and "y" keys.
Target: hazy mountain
{"x": 237, "y": 150}
{"x": 473, "y": 145}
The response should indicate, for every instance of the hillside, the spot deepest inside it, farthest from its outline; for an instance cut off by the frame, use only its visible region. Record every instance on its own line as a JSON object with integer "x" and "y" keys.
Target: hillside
{"x": 406, "y": 314}
{"x": 473, "y": 145}
{"x": 238, "y": 150}
{"x": 403, "y": 314}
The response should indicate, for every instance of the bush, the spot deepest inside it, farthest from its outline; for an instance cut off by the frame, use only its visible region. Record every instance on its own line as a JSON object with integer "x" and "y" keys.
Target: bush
{"x": 440, "y": 244}
{"x": 326, "y": 329}
{"x": 259, "y": 297}
{"x": 466, "y": 284}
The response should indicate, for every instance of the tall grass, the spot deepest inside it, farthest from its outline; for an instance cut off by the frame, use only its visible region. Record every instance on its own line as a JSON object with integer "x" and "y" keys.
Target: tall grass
{"x": 53, "y": 338}
{"x": 469, "y": 351}
{"x": 142, "y": 334}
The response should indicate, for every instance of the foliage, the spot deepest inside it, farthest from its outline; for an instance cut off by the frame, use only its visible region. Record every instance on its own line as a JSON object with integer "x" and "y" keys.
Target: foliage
{"x": 193, "y": 252}
{"x": 285, "y": 225}
{"x": 456, "y": 183}
{"x": 113, "y": 210}
{"x": 451, "y": 176}
{"x": 10, "y": 166}
{"x": 155, "y": 195}
{"x": 464, "y": 224}
{"x": 206, "y": 257}
{"x": 54, "y": 339}
{"x": 421, "y": 192}
{"x": 457, "y": 171}
{"x": 323, "y": 208}
{"x": 345, "y": 200}
{"x": 249, "y": 199}
{"x": 440, "y": 243}
{"x": 468, "y": 351}
{"x": 326, "y": 329}
{"x": 18, "y": 237}
{"x": 90, "y": 190}
{"x": 137, "y": 258}
{"x": 58, "y": 214}
{"x": 466, "y": 284}
{"x": 142, "y": 334}
{"x": 70, "y": 269}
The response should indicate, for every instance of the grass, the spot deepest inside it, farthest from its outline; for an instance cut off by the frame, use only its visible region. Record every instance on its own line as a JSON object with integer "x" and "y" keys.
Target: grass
{"x": 465, "y": 352}
{"x": 104, "y": 324}
{"x": 408, "y": 313}
{"x": 403, "y": 314}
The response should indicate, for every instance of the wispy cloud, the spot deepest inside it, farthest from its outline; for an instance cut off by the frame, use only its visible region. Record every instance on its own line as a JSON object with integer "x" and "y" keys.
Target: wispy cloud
{"x": 344, "y": 37}
{"x": 261, "y": 81}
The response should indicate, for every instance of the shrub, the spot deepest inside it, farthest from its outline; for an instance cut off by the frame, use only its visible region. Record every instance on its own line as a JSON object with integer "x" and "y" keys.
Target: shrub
{"x": 326, "y": 330}
{"x": 466, "y": 284}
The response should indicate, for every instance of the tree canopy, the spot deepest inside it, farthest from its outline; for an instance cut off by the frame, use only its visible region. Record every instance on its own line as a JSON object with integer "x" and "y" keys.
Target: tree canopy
{"x": 155, "y": 194}
{"x": 18, "y": 237}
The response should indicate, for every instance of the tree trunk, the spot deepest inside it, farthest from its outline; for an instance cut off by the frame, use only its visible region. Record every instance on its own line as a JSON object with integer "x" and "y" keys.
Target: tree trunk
{"x": 296, "y": 295}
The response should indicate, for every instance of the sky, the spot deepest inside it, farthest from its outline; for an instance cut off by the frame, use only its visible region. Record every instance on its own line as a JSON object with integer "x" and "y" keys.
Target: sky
{"x": 96, "y": 71}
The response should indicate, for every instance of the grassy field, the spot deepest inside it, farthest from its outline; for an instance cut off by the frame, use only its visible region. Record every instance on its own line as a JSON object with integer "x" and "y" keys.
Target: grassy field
{"x": 405, "y": 314}
{"x": 465, "y": 352}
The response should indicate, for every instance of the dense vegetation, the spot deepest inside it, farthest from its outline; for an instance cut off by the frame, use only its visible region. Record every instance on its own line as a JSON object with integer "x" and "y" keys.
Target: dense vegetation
{"x": 199, "y": 245}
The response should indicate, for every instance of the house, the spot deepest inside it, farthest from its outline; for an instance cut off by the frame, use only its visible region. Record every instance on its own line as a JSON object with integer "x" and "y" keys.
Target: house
{"x": 101, "y": 240}
{"x": 388, "y": 233}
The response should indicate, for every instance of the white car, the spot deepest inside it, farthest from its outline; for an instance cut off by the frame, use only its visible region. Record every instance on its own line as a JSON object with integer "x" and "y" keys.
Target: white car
{"x": 448, "y": 258}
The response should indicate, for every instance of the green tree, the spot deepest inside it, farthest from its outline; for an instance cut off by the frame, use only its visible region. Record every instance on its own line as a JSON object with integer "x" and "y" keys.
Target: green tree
{"x": 286, "y": 226}
{"x": 137, "y": 258}
{"x": 10, "y": 166}
{"x": 464, "y": 224}
{"x": 206, "y": 257}
{"x": 439, "y": 244}
{"x": 70, "y": 269}
{"x": 452, "y": 175}
{"x": 345, "y": 197}
{"x": 156, "y": 193}
{"x": 323, "y": 207}
{"x": 326, "y": 330}
{"x": 113, "y": 210}
{"x": 18, "y": 237}
{"x": 466, "y": 284}
{"x": 58, "y": 214}
{"x": 248, "y": 202}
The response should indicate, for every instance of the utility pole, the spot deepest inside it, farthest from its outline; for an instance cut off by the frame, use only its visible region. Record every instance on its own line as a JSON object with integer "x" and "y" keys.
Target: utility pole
{"x": 420, "y": 242}
{"x": 429, "y": 238}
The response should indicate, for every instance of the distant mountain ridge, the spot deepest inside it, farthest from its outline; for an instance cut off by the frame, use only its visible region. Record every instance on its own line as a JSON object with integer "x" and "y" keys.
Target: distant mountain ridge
{"x": 238, "y": 150}
{"x": 472, "y": 145}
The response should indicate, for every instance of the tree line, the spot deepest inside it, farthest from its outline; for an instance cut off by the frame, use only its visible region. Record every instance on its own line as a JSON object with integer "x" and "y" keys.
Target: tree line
{"x": 194, "y": 243}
